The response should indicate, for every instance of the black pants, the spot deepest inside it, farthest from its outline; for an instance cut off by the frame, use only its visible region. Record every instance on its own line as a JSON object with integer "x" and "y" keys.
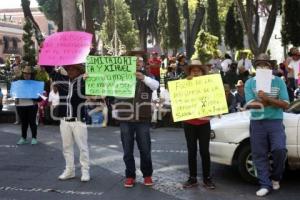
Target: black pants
{"x": 193, "y": 135}
{"x": 27, "y": 116}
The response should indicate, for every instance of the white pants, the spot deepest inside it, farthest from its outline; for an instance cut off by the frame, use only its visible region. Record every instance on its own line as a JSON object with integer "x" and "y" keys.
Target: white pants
{"x": 70, "y": 132}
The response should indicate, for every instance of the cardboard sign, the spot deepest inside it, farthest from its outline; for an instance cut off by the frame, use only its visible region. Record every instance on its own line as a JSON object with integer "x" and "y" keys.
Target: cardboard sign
{"x": 27, "y": 89}
{"x": 65, "y": 48}
{"x": 111, "y": 76}
{"x": 200, "y": 97}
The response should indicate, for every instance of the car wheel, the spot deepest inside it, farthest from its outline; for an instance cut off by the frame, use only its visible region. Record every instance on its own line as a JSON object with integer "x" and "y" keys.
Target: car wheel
{"x": 246, "y": 166}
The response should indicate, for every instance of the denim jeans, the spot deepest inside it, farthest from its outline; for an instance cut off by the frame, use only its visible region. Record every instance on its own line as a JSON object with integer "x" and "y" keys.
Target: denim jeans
{"x": 268, "y": 136}
{"x": 141, "y": 132}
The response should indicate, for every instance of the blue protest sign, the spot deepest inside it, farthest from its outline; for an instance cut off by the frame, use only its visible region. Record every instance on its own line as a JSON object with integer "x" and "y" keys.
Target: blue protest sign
{"x": 27, "y": 89}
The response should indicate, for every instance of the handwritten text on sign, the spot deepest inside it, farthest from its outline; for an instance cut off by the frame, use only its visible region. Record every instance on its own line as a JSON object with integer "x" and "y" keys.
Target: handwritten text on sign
{"x": 65, "y": 48}
{"x": 200, "y": 97}
{"x": 111, "y": 76}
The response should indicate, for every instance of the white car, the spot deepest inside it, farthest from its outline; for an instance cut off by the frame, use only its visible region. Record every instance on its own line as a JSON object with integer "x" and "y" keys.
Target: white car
{"x": 230, "y": 142}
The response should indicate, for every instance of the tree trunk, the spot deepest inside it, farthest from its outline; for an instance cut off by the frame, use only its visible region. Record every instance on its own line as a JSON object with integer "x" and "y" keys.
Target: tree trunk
{"x": 89, "y": 23}
{"x": 27, "y": 14}
{"x": 142, "y": 26}
{"x": 247, "y": 21}
{"x": 200, "y": 13}
{"x": 69, "y": 15}
{"x": 186, "y": 16}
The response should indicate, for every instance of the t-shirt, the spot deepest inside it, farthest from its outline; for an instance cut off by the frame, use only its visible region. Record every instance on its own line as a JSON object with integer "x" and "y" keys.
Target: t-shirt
{"x": 198, "y": 122}
{"x": 278, "y": 91}
{"x": 295, "y": 66}
{"x": 54, "y": 98}
{"x": 155, "y": 66}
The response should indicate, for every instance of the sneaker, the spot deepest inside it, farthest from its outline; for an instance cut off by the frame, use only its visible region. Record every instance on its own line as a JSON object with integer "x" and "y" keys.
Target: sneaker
{"x": 129, "y": 182}
{"x": 191, "y": 182}
{"x": 34, "y": 141}
{"x": 22, "y": 141}
{"x": 148, "y": 181}
{"x": 16, "y": 122}
{"x": 67, "y": 174}
{"x": 207, "y": 183}
{"x": 276, "y": 185}
{"x": 85, "y": 177}
{"x": 262, "y": 192}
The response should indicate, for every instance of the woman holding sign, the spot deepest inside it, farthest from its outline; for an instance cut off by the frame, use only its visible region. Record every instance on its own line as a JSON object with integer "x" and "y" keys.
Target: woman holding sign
{"x": 27, "y": 110}
{"x": 198, "y": 131}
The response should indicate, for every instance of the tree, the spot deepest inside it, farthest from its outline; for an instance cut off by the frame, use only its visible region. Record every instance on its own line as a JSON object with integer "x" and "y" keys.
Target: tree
{"x": 291, "y": 23}
{"x": 141, "y": 11}
{"x": 246, "y": 13}
{"x": 163, "y": 25}
{"x": 173, "y": 25}
{"x": 124, "y": 24}
{"x": 206, "y": 46}
{"x": 213, "y": 22}
{"x": 191, "y": 34}
{"x": 28, "y": 47}
{"x": 52, "y": 11}
{"x": 234, "y": 37}
{"x": 28, "y": 16}
{"x": 69, "y": 15}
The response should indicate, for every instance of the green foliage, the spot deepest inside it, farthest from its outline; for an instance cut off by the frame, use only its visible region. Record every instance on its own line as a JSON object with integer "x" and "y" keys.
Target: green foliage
{"x": 51, "y": 9}
{"x": 213, "y": 22}
{"x": 206, "y": 46}
{"x": 29, "y": 50}
{"x": 291, "y": 23}
{"x": 234, "y": 36}
{"x": 124, "y": 24}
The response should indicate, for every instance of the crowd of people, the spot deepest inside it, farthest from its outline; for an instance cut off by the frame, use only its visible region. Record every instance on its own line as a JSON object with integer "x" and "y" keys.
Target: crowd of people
{"x": 66, "y": 89}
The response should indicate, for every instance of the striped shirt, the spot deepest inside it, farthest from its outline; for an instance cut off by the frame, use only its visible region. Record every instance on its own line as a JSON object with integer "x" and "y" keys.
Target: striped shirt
{"x": 278, "y": 91}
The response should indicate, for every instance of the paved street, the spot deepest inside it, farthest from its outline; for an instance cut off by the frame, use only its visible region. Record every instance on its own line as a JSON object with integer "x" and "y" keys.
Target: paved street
{"x": 30, "y": 172}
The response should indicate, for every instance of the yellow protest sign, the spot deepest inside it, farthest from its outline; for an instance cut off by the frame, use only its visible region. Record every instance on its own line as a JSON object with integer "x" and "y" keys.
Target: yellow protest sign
{"x": 200, "y": 97}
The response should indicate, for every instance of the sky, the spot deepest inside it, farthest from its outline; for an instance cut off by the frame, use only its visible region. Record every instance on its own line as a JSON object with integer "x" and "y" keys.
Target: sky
{"x": 15, "y": 3}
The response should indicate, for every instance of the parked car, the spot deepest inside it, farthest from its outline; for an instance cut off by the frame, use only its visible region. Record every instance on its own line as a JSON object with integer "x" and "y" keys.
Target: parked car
{"x": 230, "y": 142}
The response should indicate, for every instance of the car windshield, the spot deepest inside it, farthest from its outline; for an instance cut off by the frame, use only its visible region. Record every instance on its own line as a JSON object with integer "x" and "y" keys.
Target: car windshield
{"x": 294, "y": 107}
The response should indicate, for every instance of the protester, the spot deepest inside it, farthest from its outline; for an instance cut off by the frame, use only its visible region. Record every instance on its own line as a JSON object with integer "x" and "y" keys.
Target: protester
{"x": 198, "y": 130}
{"x": 244, "y": 65}
{"x": 230, "y": 98}
{"x": 240, "y": 96}
{"x": 155, "y": 64}
{"x": 293, "y": 66}
{"x": 134, "y": 115}
{"x": 72, "y": 127}
{"x": 226, "y": 64}
{"x": 53, "y": 102}
{"x": 266, "y": 128}
{"x": 27, "y": 111}
{"x": 180, "y": 65}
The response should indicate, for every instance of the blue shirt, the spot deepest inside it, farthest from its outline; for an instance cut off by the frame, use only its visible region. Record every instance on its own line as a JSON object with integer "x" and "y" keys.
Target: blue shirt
{"x": 278, "y": 91}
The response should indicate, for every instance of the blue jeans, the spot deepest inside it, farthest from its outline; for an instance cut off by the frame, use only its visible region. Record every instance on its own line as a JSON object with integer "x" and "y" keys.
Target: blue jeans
{"x": 268, "y": 136}
{"x": 141, "y": 132}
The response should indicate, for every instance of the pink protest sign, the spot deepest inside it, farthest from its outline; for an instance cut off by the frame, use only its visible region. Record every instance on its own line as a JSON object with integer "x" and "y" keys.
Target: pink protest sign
{"x": 65, "y": 48}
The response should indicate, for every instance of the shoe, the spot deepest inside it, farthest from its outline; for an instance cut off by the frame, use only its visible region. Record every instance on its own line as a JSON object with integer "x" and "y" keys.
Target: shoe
{"x": 22, "y": 141}
{"x": 104, "y": 125}
{"x": 207, "y": 183}
{"x": 67, "y": 174}
{"x": 148, "y": 181}
{"x": 34, "y": 141}
{"x": 129, "y": 182}
{"x": 262, "y": 192}
{"x": 276, "y": 185}
{"x": 85, "y": 177}
{"x": 17, "y": 123}
{"x": 191, "y": 182}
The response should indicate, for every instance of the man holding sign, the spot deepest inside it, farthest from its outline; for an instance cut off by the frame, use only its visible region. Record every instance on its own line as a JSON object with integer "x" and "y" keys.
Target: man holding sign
{"x": 267, "y": 96}
{"x": 134, "y": 115}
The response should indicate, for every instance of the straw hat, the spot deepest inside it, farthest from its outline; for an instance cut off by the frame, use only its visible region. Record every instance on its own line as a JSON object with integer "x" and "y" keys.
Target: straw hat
{"x": 239, "y": 83}
{"x": 265, "y": 59}
{"x": 197, "y": 63}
